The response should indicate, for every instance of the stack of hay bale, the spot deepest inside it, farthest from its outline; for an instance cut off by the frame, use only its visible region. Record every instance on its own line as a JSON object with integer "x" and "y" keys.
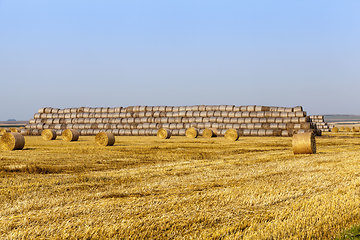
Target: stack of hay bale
{"x": 146, "y": 120}
{"x": 318, "y": 123}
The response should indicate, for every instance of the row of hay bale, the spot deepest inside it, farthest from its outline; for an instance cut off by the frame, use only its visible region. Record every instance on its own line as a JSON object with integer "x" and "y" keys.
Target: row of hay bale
{"x": 145, "y": 120}
{"x": 302, "y": 143}
{"x": 188, "y": 114}
{"x": 304, "y": 125}
{"x": 318, "y": 122}
{"x": 132, "y": 120}
{"x": 175, "y": 132}
{"x": 131, "y": 109}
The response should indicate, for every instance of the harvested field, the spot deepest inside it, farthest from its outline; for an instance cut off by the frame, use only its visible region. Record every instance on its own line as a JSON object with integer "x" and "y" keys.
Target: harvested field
{"x": 146, "y": 187}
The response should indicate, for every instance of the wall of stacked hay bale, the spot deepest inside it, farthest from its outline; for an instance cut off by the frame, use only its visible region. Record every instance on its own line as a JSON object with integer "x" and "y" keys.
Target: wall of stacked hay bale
{"x": 318, "y": 123}
{"x": 146, "y": 120}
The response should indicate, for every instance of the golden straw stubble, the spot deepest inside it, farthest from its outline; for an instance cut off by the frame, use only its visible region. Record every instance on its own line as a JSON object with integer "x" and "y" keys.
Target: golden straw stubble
{"x": 70, "y": 135}
{"x": 192, "y": 132}
{"x": 48, "y": 134}
{"x": 232, "y": 134}
{"x": 304, "y": 143}
{"x": 164, "y": 133}
{"x": 209, "y": 133}
{"x": 105, "y": 139}
{"x": 12, "y": 141}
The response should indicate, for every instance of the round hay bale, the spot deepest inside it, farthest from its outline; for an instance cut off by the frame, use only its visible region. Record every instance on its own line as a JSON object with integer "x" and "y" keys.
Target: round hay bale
{"x": 304, "y": 143}
{"x": 209, "y": 133}
{"x": 192, "y": 132}
{"x": 48, "y": 134}
{"x": 105, "y": 139}
{"x": 232, "y": 134}
{"x": 355, "y": 129}
{"x": 14, "y": 130}
{"x": 164, "y": 133}
{"x": 12, "y": 141}
{"x": 70, "y": 135}
{"x": 347, "y": 129}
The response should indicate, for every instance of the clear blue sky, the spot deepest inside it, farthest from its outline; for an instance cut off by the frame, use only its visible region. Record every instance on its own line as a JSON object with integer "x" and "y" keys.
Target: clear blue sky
{"x": 71, "y": 53}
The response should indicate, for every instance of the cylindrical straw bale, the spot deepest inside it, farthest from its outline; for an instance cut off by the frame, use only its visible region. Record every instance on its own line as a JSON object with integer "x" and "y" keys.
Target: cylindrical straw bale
{"x": 250, "y": 108}
{"x": 283, "y": 114}
{"x": 182, "y": 132}
{"x": 222, "y": 107}
{"x": 258, "y": 126}
{"x": 229, "y": 108}
{"x": 194, "y": 108}
{"x": 210, "y": 113}
{"x": 4, "y": 130}
{"x": 105, "y": 138}
{"x": 70, "y": 135}
{"x": 192, "y": 132}
{"x": 291, "y": 114}
{"x": 189, "y": 113}
{"x": 198, "y": 120}
{"x": 12, "y": 141}
{"x": 300, "y": 114}
{"x": 261, "y": 132}
{"x": 226, "y": 120}
{"x": 224, "y": 114}
{"x": 304, "y": 143}
{"x": 47, "y": 110}
{"x": 260, "y": 114}
{"x": 196, "y": 114}
{"x": 41, "y": 110}
{"x": 254, "y": 132}
{"x": 245, "y": 114}
{"x": 182, "y": 109}
{"x": 255, "y": 120}
{"x": 286, "y": 120}
{"x": 233, "y": 120}
{"x": 236, "y": 109}
{"x": 48, "y": 134}
{"x": 246, "y": 132}
{"x": 335, "y": 129}
{"x": 202, "y": 108}
{"x": 231, "y": 114}
{"x": 203, "y": 114}
{"x": 298, "y": 109}
{"x": 25, "y": 132}
{"x": 279, "y": 120}
{"x": 169, "y": 109}
{"x": 14, "y": 130}
{"x": 172, "y": 125}
{"x": 164, "y": 133}
{"x": 253, "y": 114}
{"x": 232, "y": 134}
{"x": 209, "y": 133}
{"x": 275, "y": 114}
{"x": 219, "y": 119}
{"x": 217, "y": 113}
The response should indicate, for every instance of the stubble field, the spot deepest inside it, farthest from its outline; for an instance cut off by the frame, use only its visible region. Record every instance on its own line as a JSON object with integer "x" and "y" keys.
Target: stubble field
{"x": 180, "y": 188}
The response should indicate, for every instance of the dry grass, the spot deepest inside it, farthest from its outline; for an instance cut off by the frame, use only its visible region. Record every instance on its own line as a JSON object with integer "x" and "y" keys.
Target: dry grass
{"x": 145, "y": 187}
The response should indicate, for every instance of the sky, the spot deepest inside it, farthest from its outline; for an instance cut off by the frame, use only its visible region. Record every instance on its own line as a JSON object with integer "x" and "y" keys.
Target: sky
{"x": 73, "y": 53}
